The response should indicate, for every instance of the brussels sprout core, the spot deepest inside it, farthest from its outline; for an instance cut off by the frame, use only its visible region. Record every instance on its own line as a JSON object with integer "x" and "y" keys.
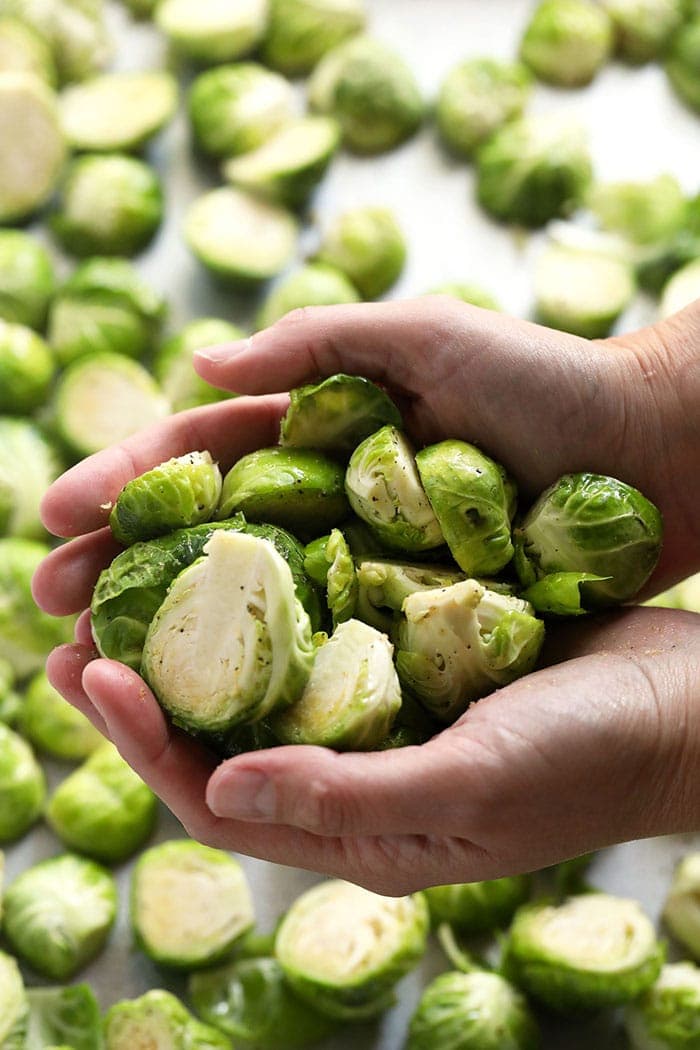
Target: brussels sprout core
{"x": 117, "y": 111}
{"x": 33, "y": 145}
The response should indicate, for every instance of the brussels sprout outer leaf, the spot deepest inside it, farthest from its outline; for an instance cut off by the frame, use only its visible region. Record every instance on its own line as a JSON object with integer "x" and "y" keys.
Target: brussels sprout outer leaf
{"x": 457, "y": 954}
{"x": 22, "y": 786}
{"x": 336, "y": 414}
{"x": 561, "y": 593}
{"x": 70, "y": 1014}
{"x": 158, "y": 1019}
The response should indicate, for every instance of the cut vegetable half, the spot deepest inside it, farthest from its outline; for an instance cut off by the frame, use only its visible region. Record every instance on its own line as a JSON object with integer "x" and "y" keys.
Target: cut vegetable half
{"x": 117, "y": 111}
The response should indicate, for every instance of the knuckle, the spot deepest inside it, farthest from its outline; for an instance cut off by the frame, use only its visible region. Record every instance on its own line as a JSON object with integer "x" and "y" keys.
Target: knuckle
{"x": 300, "y": 316}
{"x": 322, "y": 811}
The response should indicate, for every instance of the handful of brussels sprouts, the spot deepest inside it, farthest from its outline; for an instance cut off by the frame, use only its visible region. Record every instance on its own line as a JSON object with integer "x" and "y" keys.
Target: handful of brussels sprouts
{"x": 421, "y": 595}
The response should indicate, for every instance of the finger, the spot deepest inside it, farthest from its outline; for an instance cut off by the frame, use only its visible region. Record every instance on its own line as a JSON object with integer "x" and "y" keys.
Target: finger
{"x": 81, "y": 500}
{"x": 64, "y": 670}
{"x": 83, "y": 631}
{"x": 66, "y": 578}
{"x": 623, "y": 631}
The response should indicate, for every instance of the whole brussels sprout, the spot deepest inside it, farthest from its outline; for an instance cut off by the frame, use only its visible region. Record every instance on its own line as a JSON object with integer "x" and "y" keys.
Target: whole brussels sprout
{"x": 314, "y": 284}
{"x": 117, "y": 111}
{"x": 476, "y": 98}
{"x": 210, "y": 31}
{"x": 371, "y": 92}
{"x": 23, "y": 50}
{"x": 567, "y": 41}
{"x": 26, "y": 369}
{"x": 29, "y": 120}
{"x": 643, "y": 28}
{"x": 70, "y": 1013}
{"x": 158, "y": 1019}
{"x": 682, "y": 908}
{"x": 54, "y": 726}
{"x": 643, "y": 212}
{"x": 661, "y": 261}
{"x": 384, "y": 585}
{"x": 22, "y": 786}
{"x": 582, "y": 292}
{"x": 367, "y": 245}
{"x": 683, "y": 64}
{"x": 108, "y": 205}
{"x": 75, "y": 29}
{"x": 476, "y": 907}
{"x": 26, "y": 279}
{"x": 172, "y": 364}
{"x": 682, "y": 289}
{"x": 234, "y": 109}
{"x": 11, "y": 703}
{"x": 336, "y": 414}
{"x": 534, "y": 169}
{"x": 667, "y": 1016}
{"x": 471, "y": 294}
{"x": 685, "y": 595}
{"x": 13, "y": 1005}
{"x": 301, "y": 32}
{"x": 28, "y": 464}
{"x": 329, "y": 562}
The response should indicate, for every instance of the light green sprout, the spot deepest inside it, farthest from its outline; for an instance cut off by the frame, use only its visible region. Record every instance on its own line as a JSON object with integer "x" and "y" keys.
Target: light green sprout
{"x": 384, "y": 585}
{"x": 582, "y": 291}
{"x": 117, "y": 111}
{"x": 476, "y": 907}
{"x": 22, "y": 786}
{"x": 23, "y": 50}
{"x": 329, "y": 562}
{"x": 336, "y": 414}
{"x": 471, "y": 294}
{"x": 301, "y": 32}
{"x": 367, "y": 245}
{"x": 314, "y": 284}
{"x": 667, "y": 1016}
{"x": 13, "y": 1005}
{"x": 683, "y": 64}
{"x": 682, "y": 906}
{"x": 567, "y": 41}
{"x": 75, "y": 30}
{"x": 172, "y": 364}
{"x": 682, "y": 289}
{"x": 643, "y": 28}
{"x": 644, "y": 212}
{"x": 71, "y": 1014}
{"x": 476, "y": 98}
{"x": 55, "y": 727}
{"x": 158, "y": 1019}
{"x": 26, "y": 368}
{"x": 26, "y": 279}
{"x": 11, "y": 703}
{"x": 212, "y": 31}
{"x": 29, "y": 171}
{"x": 684, "y": 595}
{"x": 661, "y": 261}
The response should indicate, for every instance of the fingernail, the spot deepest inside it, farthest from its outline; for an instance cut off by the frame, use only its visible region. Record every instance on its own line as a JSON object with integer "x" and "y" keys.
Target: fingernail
{"x": 248, "y": 795}
{"x": 222, "y": 352}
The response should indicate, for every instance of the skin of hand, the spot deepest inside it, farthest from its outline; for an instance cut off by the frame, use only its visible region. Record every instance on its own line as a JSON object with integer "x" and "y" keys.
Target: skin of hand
{"x": 600, "y": 746}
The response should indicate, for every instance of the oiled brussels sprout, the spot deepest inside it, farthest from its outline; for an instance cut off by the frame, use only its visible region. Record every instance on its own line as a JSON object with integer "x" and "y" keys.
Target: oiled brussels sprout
{"x": 472, "y": 1011}
{"x": 158, "y": 1019}
{"x": 643, "y": 28}
{"x": 594, "y": 524}
{"x": 13, "y": 1005}
{"x": 69, "y": 1015}
{"x": 117, "y": 111}
{"x": 371, "y": 92}
{"x": 75, "y": 30}
{"x": 683, "y": 64}
{"x": 643, "y": 212}
{"x": 336, "y": 414}
{"x": 667, "y": 1016}
{"x": 460, "y": 642}
{"x": 26, "y": 279}
{"x": 55, "y": 727}
{"x": 343, "y": 948}
{"x": 682, "y": 290}
{"x": 189, "y": 904}
{"x": 534, "y": 169}
{"x": 384, "y": 585}
{"x": 582, "y": 292}
{"x": 567, "y": 41}
{"x": 172, "y": 365}
{"x": 384, "y": 490}
{"x": 682, "y": 905}
{"x": 301, "y": 32}
{"x": 589, "y": 952}
{"x": 58, "y": 914}
{"x": 108, "y": 205}
{"x": 29, "y": 462}
{"x": 329, "y": 563}
{"x": 212, "y": 31}
{"x": 314, "y": 284}
{"x": 475, "y": 907}
{"x": 685, "y": 595}
{"x": 217, "y": 655}
{"x": 26, "y": 369}
{"x": 476, "y": 98}
{"x": 22, "y": 786}
{"x": 471, "y": 294}
{"x": 367, "y": 245}
{"x": 29, "y": 170}
{"x": 23, "y": 50}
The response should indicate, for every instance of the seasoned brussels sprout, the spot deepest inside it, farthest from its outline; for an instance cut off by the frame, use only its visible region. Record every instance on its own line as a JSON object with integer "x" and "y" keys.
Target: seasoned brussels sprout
{"x": 71, "y": 1014}
{"x": 216, "y": 655}
{"x": 212, "y": 31}
{"x": 75, "y": 29}
{"x": 475, "y": 907}
{"x": 160, "y": 1020}
{"x": 685, "y": 595}
{"x": 23, "y": 50}
{"x": 177, "y": 494}
{"x": 590, "y": 952}
{"x": 682, "y": 905}
{"x": 476, "y": 98}
{"x": 172, "y": 365}
{"x": 683, "y": 64}
{"x": 26, "y": 369}
{"x": 384, "y": 490}
{"x": 22, "y": 786}
{"x": 643, "y": 212}
{"x": 372, "y": 93}
{"x": 329, "y": 562}
{"x": 583, "y": 292}
{"x": 534, "y": 169}
{"x": 26, "y": 279}
{"x": 682, "y": 290}
{"x": 667, "y": 1016}
{"x": 296, "y": 488}
{"x": 117, "y": 111}
{"x": 234, "y": 109}
{"x": 109, "y": 205}
{"x": 352, "y": 696}
{"x": 343, "y": 948}
{"x": 336, "y": 414}
{"x": 643, "y": 28}
{"x": 239, "y": 238}
{"x": 288, "y": 166}
{"x": 13, "y": 1005}
{"x": 189, "y": 904}
{"x": 302, "y": 31}
{"x": 11, "y": 703}
{"x": 567, "y": 41}
{"x": 102, "y": 398}
{"x": 54, "y": 726}
{"x": 314, "y": 284}
{"x": 472, "y": 1011}
{"x": 471, "y": 294}
{"x": 367, "y": 245}
{"x": 104, "y": 306}
{"x": 58, "y": 914}
{"x": 29, "y": 120}
{"x": 384, "y": 585}
{"x": 460, "y": 642}
{"x": 562, "y": 593}
{"x": 593, "y": 524}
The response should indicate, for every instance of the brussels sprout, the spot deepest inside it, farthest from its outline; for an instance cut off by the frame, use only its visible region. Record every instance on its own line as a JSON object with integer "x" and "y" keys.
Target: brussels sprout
{"x": 476, "y": 907}
{"x": 643, "y": 28}
{"x": 239, "y": 238}
{"x": 296, "y": 488}
{"x": 109, "y": 205}
{"x": 562, "y": 593}
{"x": 29, "y": 121}
{"x": 314, "y": 284}
{"x": 336, "y": 414}
{"x": 644, "y": 212}
{"x": 667, "y": 1016}
{"x": 26, "y": 279}
{"x": 75, "y": 29}
{"x": 11, "y": 703}
{"x": 234, "y": 109}
{"x": 343, "y": 948}
{"x": 212, "y": 30}
{"x": 172, "y": 365}
{"x": 189, "y": 904}
{"x": 367, "y": 245}
{"x": 534, "y": 169}
{"x": 682, "y": 290}
{"x": 384, "y": 585}
{"x": 54, "y": 726}
{"x": 102, "y": 398}
{"x": 582, "y": 292}
{"x": 591, "y": 523}
{"x": 472, "y": 1011}
{"x": 13, "y": 1005}
{"x": 177, "y": 494}
{"x": 104, "y": 306}
{"x": 117, "y": 111}
{"x": 288, "y": 166}
{"x": 685, "y": 595}
{"x": 71, "y": 1013}
{"x": 570, "y": 875}
{"x": 329, "y": 563}
{"x": 590, "y": 952}
{"x": 352, "y": 696}
{"x": 58, "y": 914}
{"x": 682, "y": 905}
{"x": 141, "y": 9}
{"x": 660, "y": 261}
{"x": 372, "y": 93}
{"x": 22, "y": 786}
{"x": 159, "y": 1020}
{"x": 468, "y": 293}
{"x": 302, "y": 31}
{"x": 23, "y": 50}
{"x": 476, "y": 98}
{"x": 252, "y": 1003}
{"x": 26, "y": 368}
{"x": 683, "y": 64}
{"x": 27, "y": 635}
{"x": 217, "y": 655}
{"x": 567, "y": 41}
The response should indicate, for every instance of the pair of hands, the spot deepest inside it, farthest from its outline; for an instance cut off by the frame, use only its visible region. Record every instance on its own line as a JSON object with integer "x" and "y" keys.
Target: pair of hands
{"x": 600, "y": 746}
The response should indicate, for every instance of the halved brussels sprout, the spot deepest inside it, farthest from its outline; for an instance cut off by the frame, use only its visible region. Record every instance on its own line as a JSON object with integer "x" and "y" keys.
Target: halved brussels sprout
{"x": 683, "y": 64}
{"x": 71, "y": 1014}
{"x": 189, "y": 904}
{"x": 301, "y": 32}
{"x": 336, "y": 414}
{"x": 172, "y": 365}
{"x": 476, "y": 98}
{"x": 234, "y": 109}
{"x": 75, "y": 29}
{"x": 212, "y": 31}
{"x": 26, "y": 279}
{"x": 594, "y": 524}
{"x": 54, "y": 726}
{"x": 370, "y": 91}
{"x": 534, "y": 169}
{"x": 685, "y": 595}
{"x": 582, "y": 292}
{"x": 329, "y": 563}
{"x": 471, "y": 294}
{"x": 343, "y": 948}
{"x": 117, "y": 111}
{"x": 238, "y": 237}
{"x": 102, "y": 398}
{"x": 314, "y": 284}
{"x": 682, "y": 290}
{"x": 643, "y": 28}
{"x": 22, "y": 786}
{"x": 296, "y": 488}
{"x": 108, "y": 205}
{"x": 352, "y": 696}
{"x": 177, "y": 494}
{"x": 384, "y": 585}
{"x": 667, "y": 1016}
{"x": 567, "y": 41}
{"x": 13, "y": 1005}
{"x": 158, "y": 1019}
{"x": 29, "y": 120}
{"x": 643, "y": 212}
{"x": 660, "y": 261}
{"x": 23, "y": 50}
{"x": 217, "y": 655}
{"x": 458, "y": 643}
{"x": 58, "y": 914}
{"x": 367, "y": 245}
{"x": 473, "y": 500}
{"x": 26, "y": 369}
{"x": 476, "y": 907}
{"x": 11, "y": 702}
{"x": 682, "y": 906}
{"x": 472, "y": 1011}
{"x": 384, "y": 489}
{"x": 590, "y": 952}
